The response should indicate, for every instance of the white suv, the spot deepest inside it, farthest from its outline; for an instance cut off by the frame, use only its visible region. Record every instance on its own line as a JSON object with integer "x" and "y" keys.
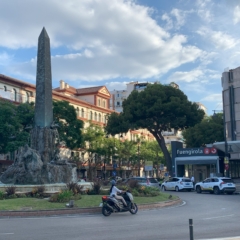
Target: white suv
{"x": 216, "y": 185}
{"x": 177, "y": 184}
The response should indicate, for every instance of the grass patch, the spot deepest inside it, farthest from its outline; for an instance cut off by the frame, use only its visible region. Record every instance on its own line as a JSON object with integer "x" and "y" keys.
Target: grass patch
{"x": 18, "y": 204}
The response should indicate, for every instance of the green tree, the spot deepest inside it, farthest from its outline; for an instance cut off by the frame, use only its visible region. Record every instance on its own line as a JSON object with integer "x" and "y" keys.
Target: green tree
{"x": 94, "y": 142}
{"x": 208, "y": 131}
{"x": 158, "y": 108}
{"x": 13, "y": 122}
{"x": 70, "y": 128}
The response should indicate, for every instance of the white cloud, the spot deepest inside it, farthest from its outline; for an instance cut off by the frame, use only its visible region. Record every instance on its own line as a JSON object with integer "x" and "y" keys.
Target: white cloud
{"x": 203, "y": 10}
{"x": 106, "y": 39}
{"x": 169, "y": 22}
{"x": 5, "y": 59}
{"x": 180, "y": 17}
{"x": 219, "y": 39}
{"x": 217, "y": 97}
{"x": 188, "y": 77}
{"x": 236, "y": 14}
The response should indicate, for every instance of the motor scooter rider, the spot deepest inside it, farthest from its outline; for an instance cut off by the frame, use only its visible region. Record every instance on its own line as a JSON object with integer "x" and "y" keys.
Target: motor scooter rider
{"x": 114, "y": 191}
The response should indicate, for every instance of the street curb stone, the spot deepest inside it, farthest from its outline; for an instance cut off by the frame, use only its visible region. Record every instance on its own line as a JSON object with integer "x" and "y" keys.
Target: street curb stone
{"x": 74, "y": 211}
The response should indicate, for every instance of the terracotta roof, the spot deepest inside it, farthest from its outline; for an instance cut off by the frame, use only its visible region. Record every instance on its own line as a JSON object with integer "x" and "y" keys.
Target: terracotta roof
{"x": 16, "y": 80}
{"x": 81, "y": 91}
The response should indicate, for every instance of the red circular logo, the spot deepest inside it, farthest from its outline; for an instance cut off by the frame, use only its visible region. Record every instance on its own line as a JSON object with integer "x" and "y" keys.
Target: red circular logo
{"x": 213, "y": 150}
{"x": 206, "y": 150}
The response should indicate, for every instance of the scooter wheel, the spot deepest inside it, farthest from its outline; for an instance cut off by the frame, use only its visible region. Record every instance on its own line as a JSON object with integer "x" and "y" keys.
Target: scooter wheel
{"x": 134, "y": 208}
{"x": 105, "y": 211}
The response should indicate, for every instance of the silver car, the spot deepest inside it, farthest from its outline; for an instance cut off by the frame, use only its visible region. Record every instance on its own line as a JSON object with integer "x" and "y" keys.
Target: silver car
{"x": 144, "y": 181}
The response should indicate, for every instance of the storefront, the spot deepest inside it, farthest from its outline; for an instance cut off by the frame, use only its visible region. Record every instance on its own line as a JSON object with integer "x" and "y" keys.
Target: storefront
{"x": 198, "y": 162}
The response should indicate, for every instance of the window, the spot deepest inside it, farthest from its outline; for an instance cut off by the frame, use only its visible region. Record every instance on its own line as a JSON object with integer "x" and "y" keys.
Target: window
{"x": 27, "y": 95}
{"x": 15, "y": 94}
{"x": 77, "y": 111}
{"x": 82, "y": 113}
{"x": 99, "y": 117}
{"x": 118, "y": 103}
{"x": 91, "y": 115}
{"x": 5, "y": 88}
{"x": 95, "y": 116}
{"x": 99, "y": 102}
{"x": 104, "y": 104}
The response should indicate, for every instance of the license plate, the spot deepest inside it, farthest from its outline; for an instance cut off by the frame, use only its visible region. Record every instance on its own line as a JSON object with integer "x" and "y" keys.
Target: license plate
{"x": 186, "y": 183}
{"x": 229, "y": 184}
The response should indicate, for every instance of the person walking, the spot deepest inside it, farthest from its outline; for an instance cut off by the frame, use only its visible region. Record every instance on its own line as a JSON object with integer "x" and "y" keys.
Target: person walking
{"x": 192, "y": 180}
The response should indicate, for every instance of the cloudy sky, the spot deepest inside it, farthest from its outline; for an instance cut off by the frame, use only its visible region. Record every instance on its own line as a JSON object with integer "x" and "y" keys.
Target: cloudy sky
{"x": 113, "y": 42}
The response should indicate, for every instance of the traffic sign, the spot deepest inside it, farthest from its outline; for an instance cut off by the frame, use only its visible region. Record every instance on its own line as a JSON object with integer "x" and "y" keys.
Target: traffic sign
{"x": 226, "y": 166}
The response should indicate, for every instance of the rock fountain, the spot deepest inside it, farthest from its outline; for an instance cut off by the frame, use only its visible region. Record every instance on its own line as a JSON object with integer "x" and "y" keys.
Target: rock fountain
{"x": 41, "y": 163}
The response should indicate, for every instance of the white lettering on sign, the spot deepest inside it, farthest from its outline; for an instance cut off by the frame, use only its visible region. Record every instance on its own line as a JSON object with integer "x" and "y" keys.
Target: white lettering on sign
{"x": 190, "y": 151}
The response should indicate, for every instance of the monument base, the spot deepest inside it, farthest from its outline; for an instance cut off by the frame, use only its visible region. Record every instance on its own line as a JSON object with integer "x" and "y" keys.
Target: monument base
{"x": 28, "y": 168}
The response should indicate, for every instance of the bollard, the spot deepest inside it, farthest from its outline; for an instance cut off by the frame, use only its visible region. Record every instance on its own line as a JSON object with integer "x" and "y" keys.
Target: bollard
{"x": 191, "y": 229}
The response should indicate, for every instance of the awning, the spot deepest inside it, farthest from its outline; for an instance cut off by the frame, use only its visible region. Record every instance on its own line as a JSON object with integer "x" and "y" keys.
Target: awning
{"x": 233, "y": 146}
{"x": 196, "y": 160}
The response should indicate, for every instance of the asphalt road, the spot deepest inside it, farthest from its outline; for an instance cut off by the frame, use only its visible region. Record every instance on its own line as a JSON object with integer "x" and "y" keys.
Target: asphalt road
{"x": 214, "y": 216}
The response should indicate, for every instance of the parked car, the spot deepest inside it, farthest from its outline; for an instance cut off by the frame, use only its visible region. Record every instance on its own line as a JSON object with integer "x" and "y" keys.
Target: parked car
{"x": 144, "y": 181}
{"x": 177, "y": 184}
{"x": 117, "y": 179}
{"x": 216, "y": 185}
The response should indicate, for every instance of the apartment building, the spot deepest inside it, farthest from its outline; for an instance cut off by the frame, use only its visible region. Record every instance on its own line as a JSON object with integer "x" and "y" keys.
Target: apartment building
{"x": 91, "y": 104}
{"x": 231, "y": 110}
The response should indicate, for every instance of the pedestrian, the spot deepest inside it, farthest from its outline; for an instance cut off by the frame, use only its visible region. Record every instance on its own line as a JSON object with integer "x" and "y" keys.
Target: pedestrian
{"x": 192, "y": 180}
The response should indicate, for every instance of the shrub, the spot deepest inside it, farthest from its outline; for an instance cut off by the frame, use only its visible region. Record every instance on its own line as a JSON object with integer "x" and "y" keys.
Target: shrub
{"x": 63, "y": 196}
{"x": 96, "y": 188}
{"x": 10, "y": 191}
{"x": 75, "y": 188}
{"x": 144, "y": 191}
{"x": 38, "y": 191}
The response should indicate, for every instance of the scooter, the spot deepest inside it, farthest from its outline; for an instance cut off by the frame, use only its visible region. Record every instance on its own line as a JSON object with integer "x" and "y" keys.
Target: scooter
{"x": 111, "y": 204}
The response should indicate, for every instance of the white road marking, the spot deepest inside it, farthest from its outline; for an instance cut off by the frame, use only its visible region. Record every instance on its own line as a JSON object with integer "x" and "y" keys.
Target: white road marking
{"x": 6, "y": 233}
{"x": 227, "y": 238}
{"x": 219, "y": 217}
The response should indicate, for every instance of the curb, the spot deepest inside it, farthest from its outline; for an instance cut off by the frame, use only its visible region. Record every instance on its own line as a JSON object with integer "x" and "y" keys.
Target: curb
{"x": 73, "y": 211}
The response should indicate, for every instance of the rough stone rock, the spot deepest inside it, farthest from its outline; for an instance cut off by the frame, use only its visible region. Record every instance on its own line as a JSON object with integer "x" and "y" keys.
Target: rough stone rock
{"x": 26, "y": 169}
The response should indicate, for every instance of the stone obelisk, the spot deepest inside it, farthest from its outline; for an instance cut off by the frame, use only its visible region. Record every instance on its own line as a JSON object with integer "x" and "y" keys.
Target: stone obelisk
{"x": 42, "y": 162}
{"x": 43, "y": 137}
{"x": 43, "y": 104}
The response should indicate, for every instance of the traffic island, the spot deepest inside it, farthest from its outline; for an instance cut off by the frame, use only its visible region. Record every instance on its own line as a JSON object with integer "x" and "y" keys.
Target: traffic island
{"x": 74, "y": 211}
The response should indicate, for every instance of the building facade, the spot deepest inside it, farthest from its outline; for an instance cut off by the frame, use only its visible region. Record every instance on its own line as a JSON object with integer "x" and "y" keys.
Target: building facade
{"x": 91, "y": 104}
{"x": 231, "y": 111}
